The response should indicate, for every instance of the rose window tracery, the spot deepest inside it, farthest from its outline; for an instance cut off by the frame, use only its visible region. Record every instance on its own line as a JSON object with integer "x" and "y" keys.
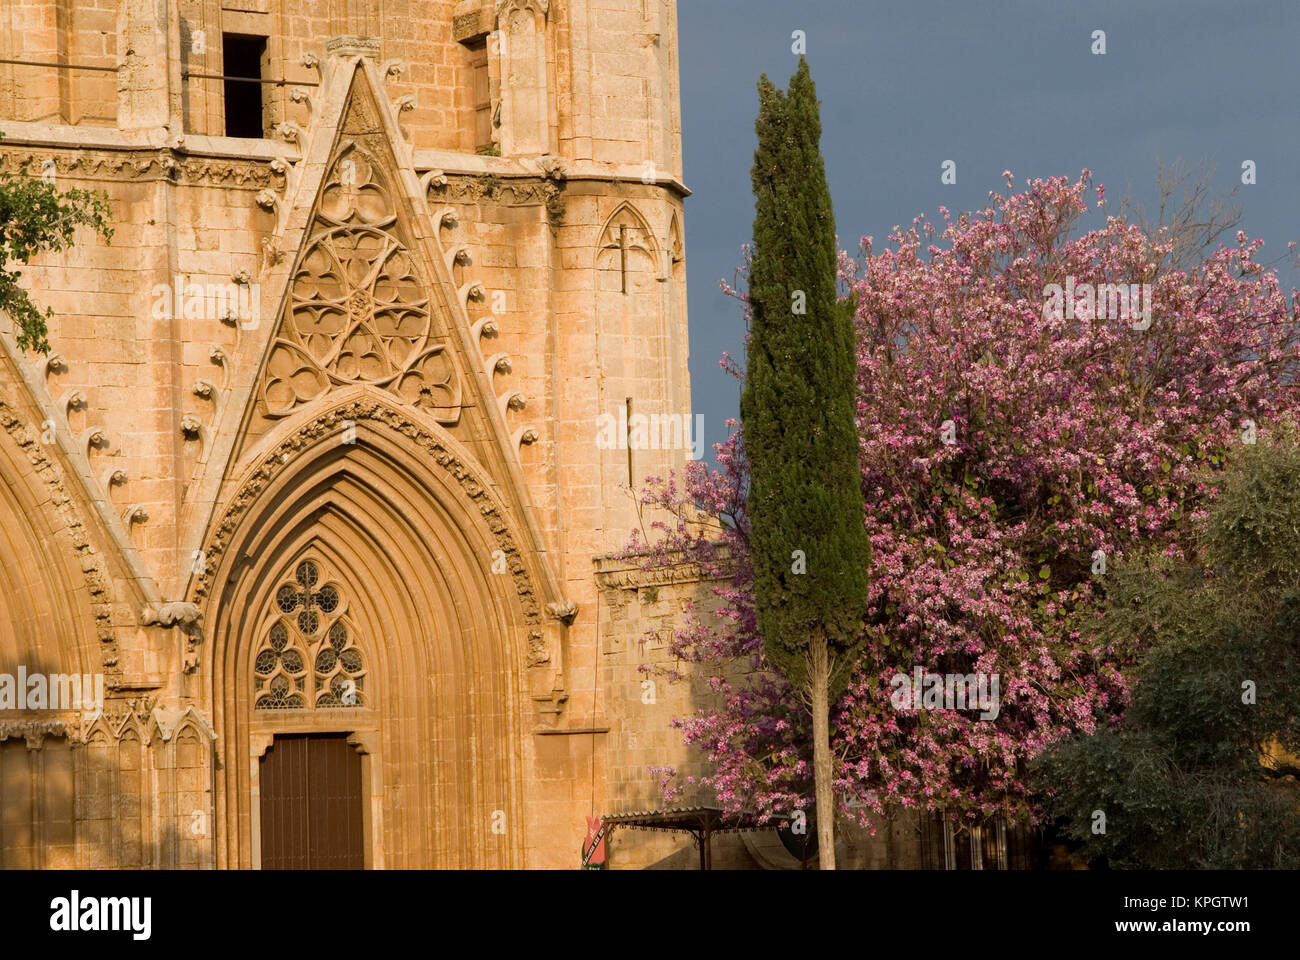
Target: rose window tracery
{"x": 309, "y": 657}
{"x": 359, "y": 309}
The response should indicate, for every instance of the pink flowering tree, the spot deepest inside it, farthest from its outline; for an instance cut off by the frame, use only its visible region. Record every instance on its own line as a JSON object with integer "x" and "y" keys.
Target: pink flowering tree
{"x": 1013, "y": 442}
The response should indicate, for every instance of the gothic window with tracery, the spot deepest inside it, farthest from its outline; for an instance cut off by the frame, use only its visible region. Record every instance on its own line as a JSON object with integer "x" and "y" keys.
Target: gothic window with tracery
{"x": 309, "y": 656}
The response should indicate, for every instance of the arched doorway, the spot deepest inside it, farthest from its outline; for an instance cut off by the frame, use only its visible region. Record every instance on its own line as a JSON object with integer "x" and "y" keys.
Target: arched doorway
{"x": 369, "y": 532}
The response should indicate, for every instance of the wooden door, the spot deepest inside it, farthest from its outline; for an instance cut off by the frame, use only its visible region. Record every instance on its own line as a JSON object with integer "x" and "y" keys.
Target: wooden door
{"x": 311, "y": 804}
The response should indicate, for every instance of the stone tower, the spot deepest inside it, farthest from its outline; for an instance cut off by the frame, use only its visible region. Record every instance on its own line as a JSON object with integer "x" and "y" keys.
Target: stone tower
{"x": 324, "y": 468}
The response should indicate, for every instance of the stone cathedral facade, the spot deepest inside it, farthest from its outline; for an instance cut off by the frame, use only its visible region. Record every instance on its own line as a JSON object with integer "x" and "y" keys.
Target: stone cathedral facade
{"x": 312, "y": 473}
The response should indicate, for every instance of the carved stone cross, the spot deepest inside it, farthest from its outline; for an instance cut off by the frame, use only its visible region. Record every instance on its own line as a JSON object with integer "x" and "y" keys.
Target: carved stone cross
{"x": 622, "y": 254}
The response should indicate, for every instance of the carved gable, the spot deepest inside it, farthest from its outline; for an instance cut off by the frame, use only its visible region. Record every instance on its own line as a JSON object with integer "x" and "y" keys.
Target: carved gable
{"x": 359, "y": 308}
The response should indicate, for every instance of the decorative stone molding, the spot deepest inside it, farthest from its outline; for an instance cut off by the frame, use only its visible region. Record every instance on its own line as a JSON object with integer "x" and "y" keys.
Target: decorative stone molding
{"x": 34, "y": 731}
{"x": 226, "y": 173}
{"x": 92, "y": 567}
{"x": 368, "y": 410}
{"x": 353, "y": 46}
{"x": 170, "y": 164}
{"x": 546, "y": 191}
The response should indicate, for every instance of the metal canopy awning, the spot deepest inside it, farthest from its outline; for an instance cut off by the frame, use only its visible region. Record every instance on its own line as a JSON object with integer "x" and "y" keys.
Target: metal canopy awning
{"x": 700, "y": 822}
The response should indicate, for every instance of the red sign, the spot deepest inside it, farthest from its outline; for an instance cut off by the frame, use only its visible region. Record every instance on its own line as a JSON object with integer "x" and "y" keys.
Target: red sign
{"x": 594, "y": 854}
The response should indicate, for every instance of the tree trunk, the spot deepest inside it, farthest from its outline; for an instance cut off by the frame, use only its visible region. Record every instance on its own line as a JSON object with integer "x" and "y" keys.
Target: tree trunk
{"x": 819, "y": 683}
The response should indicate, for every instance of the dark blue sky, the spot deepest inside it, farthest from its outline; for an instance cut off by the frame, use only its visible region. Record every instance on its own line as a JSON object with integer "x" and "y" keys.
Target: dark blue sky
{"x": 993, "y": 85}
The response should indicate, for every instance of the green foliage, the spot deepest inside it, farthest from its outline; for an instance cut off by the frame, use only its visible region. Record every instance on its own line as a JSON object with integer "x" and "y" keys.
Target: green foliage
{"x": 1184, "y": 781}
{"x": 36, "y": 217}
{"x": 797, "y": 407}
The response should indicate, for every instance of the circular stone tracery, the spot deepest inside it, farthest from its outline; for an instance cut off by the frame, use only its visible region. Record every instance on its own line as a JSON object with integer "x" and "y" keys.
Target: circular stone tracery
{"x": 319, "y": 634}
{"x": 359, "y": 309}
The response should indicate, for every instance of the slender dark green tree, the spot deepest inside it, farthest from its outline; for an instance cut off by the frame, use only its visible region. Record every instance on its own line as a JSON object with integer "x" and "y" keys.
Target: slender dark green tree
{"x": 805, "y": 506}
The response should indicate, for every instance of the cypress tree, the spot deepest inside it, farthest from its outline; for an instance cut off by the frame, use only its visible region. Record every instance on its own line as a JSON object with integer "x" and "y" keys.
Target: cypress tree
{"x": 808, "y": 542}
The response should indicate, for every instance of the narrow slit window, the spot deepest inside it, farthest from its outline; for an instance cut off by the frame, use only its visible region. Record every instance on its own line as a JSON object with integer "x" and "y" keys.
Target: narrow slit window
{"x": 243, "y": 57}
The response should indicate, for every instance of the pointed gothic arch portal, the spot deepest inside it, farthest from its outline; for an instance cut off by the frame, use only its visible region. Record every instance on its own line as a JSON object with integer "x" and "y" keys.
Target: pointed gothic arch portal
{"x": 355, "y": 596}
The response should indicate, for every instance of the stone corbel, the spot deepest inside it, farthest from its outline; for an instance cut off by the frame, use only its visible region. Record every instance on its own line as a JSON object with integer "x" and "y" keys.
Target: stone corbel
{"x": 512, "y": 400}
{"x": 72, "y": 400}
{"x": 134, "y": 514}
{"x": 458, "y": 257}
{"x": 430, "y": 180}
{"x": 563, "y": 610}
{"x": 93, "y": 438}
{"x": 291, "y": 132}
{"x": 552, "y": 168}
{"x": 178, "y": 613}
{"x": 472, "y": 293}
{"x": 300, "y": 95}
